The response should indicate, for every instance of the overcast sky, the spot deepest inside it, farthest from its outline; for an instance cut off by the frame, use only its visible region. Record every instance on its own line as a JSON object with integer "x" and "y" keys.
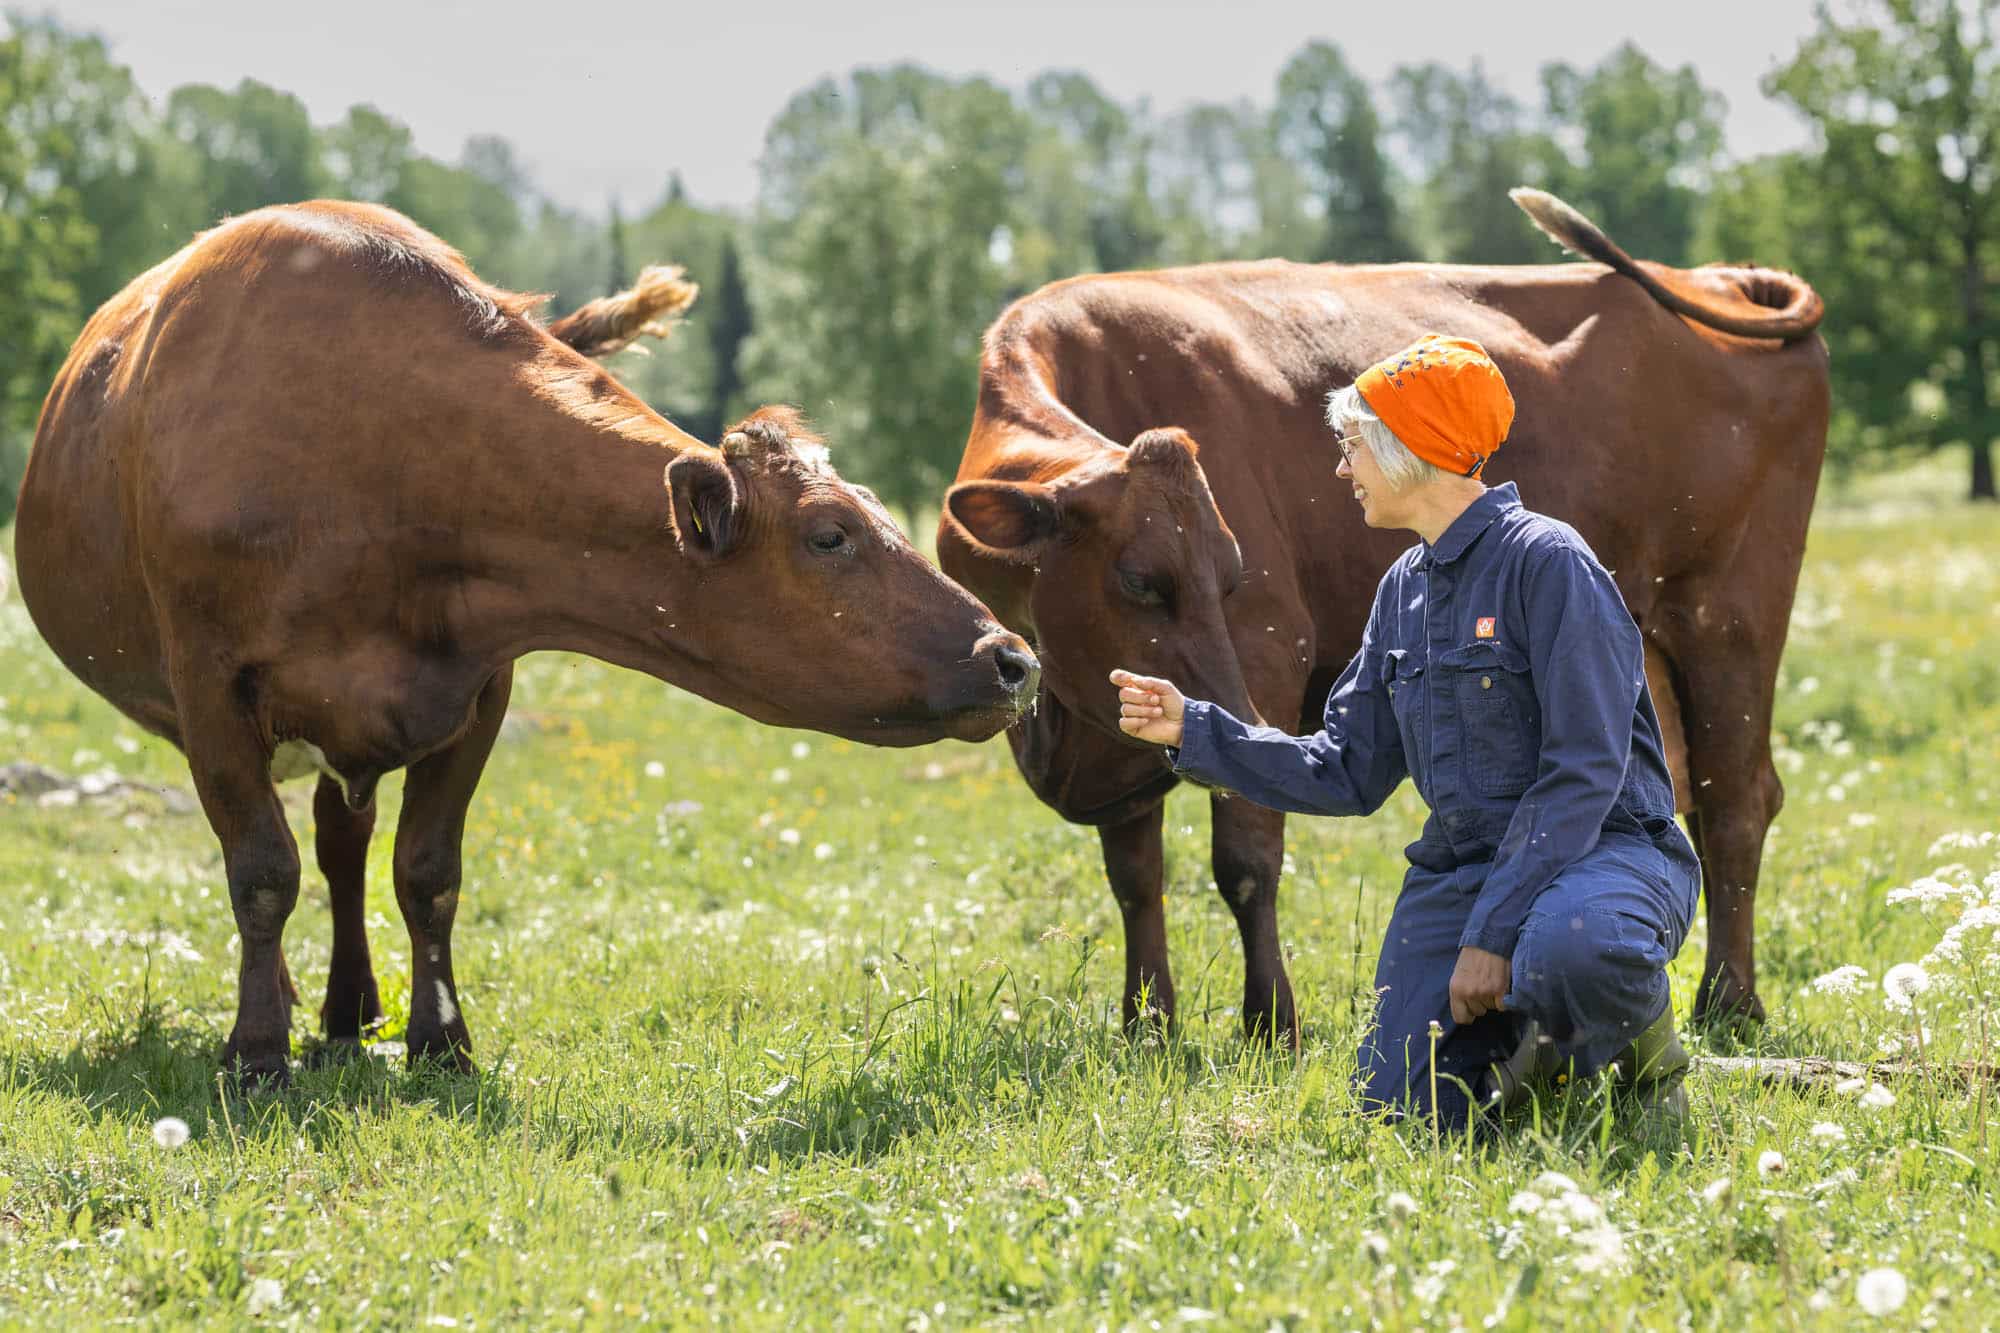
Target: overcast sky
{"x": 604, "y": 100}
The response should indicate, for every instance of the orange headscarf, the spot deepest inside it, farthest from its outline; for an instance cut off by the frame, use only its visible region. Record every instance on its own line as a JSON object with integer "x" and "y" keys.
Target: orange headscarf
{"x": 1444, "y": 398}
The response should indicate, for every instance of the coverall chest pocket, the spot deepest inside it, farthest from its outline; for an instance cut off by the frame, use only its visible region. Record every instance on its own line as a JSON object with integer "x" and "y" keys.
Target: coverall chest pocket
{"x": 1403, "y": 673}
{"x": 1500, "y": 725}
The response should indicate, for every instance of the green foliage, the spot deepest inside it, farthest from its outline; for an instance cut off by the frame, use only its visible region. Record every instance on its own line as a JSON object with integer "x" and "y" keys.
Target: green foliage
{"x": 250, "y": 147}
{"x": 728, "y": 1077}
{"x": 1633, "y": 146}
{"x": 880, "y": 228}
{"x": 1906, "y": 100}
{"x": 1473, "y": 144}
{"x": 899, "y": 211}
{"x": 1327, "y": 125}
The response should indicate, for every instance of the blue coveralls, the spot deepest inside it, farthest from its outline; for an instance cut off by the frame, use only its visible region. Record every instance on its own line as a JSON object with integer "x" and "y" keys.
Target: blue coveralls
{"x": 1500, "y": 670}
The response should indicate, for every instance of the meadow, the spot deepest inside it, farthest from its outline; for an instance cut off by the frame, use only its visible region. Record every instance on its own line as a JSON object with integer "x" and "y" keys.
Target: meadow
{"x": 774, "y": 1029}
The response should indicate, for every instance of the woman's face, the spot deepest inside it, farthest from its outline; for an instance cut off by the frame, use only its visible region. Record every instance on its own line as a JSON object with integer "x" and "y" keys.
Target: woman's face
{"x": 1379, "y": 508}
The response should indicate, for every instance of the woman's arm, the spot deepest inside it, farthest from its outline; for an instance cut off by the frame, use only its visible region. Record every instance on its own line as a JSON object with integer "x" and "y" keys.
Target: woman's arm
{"x": 1347, "y": 769}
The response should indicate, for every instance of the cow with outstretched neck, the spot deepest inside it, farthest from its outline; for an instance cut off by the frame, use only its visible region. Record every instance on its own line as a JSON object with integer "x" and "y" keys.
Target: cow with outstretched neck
{"x": 302, "y": 494}
{"x": 1149, "y": 484}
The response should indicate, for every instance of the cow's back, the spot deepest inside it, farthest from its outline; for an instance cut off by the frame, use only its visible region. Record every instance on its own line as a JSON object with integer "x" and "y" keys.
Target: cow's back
{"x": 1667, "y": 445}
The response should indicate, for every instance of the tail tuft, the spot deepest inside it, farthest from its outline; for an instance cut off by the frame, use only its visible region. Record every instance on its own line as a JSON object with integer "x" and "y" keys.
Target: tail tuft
{"x": 649, "y": 308}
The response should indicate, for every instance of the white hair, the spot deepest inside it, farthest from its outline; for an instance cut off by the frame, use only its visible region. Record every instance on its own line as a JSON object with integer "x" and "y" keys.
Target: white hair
{"x": 1346, "y": 409}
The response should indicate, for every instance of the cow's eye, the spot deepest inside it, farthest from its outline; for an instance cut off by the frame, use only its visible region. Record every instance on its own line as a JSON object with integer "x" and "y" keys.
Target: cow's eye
{"x": 829, "y": 542}
{"x": 1140, "y": 588}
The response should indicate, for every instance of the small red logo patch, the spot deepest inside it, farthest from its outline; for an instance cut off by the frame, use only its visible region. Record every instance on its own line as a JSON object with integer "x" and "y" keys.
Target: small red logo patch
{"x": 1485, "y": 628}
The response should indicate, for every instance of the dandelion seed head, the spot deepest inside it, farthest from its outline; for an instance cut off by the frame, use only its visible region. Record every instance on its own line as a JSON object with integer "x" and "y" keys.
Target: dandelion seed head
{"x": 170, "y": 1132}
{"x": 1902, "y": 984}
{"x": 1878, "y": 1098}
{"x": 1828, "y": 1132}
{"x": 1881, "y": 1291}
{"x": 1400, "y": 1206}
{"x": 266, "y": 1294}
{"x": 1770, "y": 1162}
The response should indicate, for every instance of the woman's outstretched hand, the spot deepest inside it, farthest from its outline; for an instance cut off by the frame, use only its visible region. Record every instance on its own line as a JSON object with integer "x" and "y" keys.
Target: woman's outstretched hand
{"x": 1149, "y": 708}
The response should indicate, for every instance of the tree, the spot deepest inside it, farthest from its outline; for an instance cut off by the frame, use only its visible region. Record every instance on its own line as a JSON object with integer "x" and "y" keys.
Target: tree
{"x": 251, "y": 147}
{"x": 728, "y": 327}
{"x": 1634, "y": 147}
{"x": 1087, "y": 201}
{"x": 1472, "y": 144}
{"x": 619, "y": 275}
{"x": 63, "y": 116}
{"x": 1905, "y": 103}
{"x": 1326, "y": 123}
{"x": 365, "y": 154}
{"x": 880, "y": 232}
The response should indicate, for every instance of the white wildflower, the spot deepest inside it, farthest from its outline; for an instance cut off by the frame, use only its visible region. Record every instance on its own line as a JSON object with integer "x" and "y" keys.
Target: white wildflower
{"x": 1400, "y": 1206}
{"x": 1716, "y": 1191}
{"x": 1851, "y": 1087}
{"x": 800, "y": 749}
{"x": 1554, "y": 1182}
{"x": 822, "y": 851}
{"x": 1828, "y": 1132}
{"x": 655, "y": 769}
{"x": 1770, "y": 1162}
{"x": 1878, "y": 1098}
{"x": 266, "y": 1293}
{"x": 1578, "y": 1209}
{"x": 1526, "y": 1201}
{"x": 781, "y": 776}
{"x": 170, "y": 1132}
{"x": 1951, "y": 842}
{"x": 790, "y": 837}
{"x": 1928, "y": 891}
{"x": 1902, "y": 984}
{"x": 1840, "y": 1179}
{"x": 1599, "y": 1249}
{"x": 1848, "y": 979}
{"x": 1375, "y": 1245}
{"x": 1881, "y": 1291}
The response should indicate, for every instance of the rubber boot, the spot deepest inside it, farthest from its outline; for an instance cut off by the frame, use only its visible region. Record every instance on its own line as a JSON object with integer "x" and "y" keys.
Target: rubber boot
{"x": 1509, "y": 1083}
{"x": 1653, "y": 1071}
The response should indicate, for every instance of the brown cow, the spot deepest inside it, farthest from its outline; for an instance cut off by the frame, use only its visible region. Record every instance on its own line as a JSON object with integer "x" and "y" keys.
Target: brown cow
{"x": 1676, "y": 418}
{"x": 303, "y": 493}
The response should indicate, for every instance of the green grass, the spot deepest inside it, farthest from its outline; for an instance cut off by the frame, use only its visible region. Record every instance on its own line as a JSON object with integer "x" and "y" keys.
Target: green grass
{"x": 841, "y": 1047}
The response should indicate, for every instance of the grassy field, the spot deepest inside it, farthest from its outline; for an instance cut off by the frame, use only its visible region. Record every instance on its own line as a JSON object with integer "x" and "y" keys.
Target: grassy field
{"x": 775, "y": 1029}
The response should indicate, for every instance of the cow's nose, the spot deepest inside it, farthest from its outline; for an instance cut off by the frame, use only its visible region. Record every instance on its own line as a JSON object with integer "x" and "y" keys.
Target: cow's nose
{"x": 1015, "y": 666}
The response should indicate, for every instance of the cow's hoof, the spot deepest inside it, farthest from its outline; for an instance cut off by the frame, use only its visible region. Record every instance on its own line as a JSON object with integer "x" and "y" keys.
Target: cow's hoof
{"x": 256, "y": 1075}
{"x": 334, "y": 1052}
{"x": 1722, "y": 1003}
{"x": 444, "y": 1052}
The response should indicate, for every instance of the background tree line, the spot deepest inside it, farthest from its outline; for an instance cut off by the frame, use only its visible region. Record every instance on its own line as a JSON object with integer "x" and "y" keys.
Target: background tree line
{"x": 899, "y": 210}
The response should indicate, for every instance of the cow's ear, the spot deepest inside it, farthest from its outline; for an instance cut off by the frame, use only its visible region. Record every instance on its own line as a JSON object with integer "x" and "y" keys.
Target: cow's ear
{"x": 707, "y": 504}
{"x": 1009, "y": 519}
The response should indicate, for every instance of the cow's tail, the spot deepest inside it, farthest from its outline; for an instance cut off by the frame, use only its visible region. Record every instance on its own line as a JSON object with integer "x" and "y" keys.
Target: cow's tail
{"x": 611, "y": 323}
{"x": 1774, "y": 305}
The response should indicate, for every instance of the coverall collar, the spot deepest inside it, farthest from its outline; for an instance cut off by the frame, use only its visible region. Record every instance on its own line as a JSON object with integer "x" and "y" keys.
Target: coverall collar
{"x": 1466, "y": 528}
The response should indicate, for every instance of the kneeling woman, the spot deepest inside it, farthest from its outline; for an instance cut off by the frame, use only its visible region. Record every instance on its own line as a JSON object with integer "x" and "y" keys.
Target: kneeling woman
{"x": 1500, "y": 670}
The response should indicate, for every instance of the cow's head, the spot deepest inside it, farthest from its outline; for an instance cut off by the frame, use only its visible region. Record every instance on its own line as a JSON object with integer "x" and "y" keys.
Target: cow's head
{"x": 810, "y": 608}
{"x": 1131, "y": 562}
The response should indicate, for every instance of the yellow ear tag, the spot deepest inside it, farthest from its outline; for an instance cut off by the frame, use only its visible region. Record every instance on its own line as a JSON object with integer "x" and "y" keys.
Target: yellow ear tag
{"x": 698, "y": 531}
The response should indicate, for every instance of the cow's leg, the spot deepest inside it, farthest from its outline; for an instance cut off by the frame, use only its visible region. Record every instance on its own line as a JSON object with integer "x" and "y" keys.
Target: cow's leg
{"x": 428, "y": 869}
{"x": 1134, "y": 861}
{"x": 232, "y": 776}
{"x": 341, "y": 841}
{"x": 1726, "y": 713}
{"x": 1249, "y": 851}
